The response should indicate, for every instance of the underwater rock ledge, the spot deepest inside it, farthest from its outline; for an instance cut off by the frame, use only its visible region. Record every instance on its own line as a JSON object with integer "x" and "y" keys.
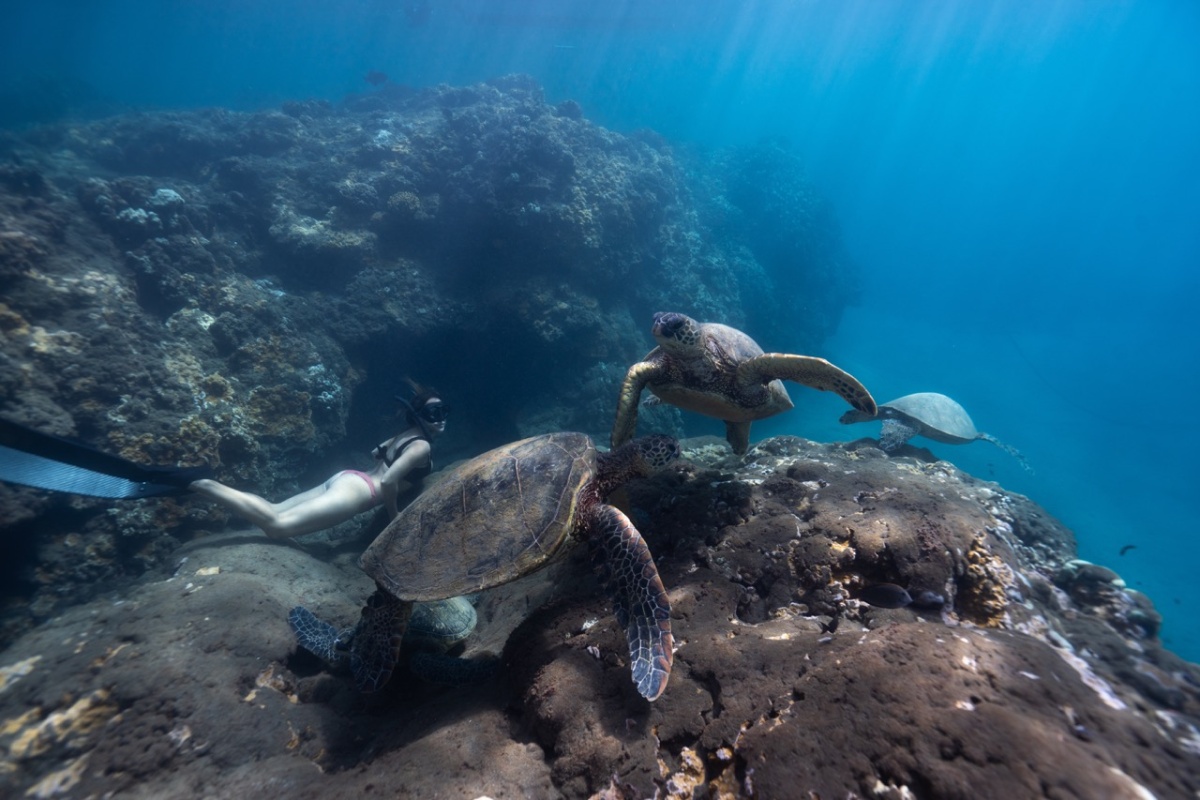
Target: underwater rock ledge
{"x": 248, "y": 290}
{"x": 1038, "y": 675}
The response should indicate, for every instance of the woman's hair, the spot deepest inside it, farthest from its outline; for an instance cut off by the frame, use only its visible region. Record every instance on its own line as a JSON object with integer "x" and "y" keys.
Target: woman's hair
{"x": 421, "y": 395}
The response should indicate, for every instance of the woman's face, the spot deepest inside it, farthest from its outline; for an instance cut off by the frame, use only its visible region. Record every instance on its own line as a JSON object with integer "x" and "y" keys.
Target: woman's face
{"x": 433, "y": 414}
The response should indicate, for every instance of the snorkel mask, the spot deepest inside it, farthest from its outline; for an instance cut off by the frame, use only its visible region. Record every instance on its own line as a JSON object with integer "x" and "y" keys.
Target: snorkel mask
{"x": 434, "y": 411}
{"x": 431, "y": 413}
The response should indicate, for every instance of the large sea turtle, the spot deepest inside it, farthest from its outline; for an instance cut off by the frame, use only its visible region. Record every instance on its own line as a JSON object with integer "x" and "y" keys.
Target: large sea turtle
{"x": 929, "y": 414}
{"x": 499, "y": 516}
{"x": 719, "y": 371}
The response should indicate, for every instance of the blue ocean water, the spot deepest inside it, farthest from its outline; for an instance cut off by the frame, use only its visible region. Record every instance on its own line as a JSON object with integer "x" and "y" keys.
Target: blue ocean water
{"x": 1018, "y": 182}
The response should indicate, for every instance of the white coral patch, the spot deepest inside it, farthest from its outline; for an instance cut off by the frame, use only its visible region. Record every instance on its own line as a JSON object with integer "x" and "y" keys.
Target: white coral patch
{"x": 1093, "y": 681}
{"x": 1135, "y": 789}
{"x": 1185, "y": 733}
{"x": 14, "y": 672}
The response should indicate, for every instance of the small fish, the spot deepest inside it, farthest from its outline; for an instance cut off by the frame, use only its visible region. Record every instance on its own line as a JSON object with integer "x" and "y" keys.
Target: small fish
{"x": 1127, "y": 548}
{"x": 886, "y": 595}
{"x": 375, "y": 78}
{"x": 831, "y": 626}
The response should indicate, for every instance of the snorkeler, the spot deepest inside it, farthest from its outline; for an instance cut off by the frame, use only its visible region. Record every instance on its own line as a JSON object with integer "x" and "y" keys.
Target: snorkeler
{"x": 32, "y": 458}
{"x": 403, "y": 459}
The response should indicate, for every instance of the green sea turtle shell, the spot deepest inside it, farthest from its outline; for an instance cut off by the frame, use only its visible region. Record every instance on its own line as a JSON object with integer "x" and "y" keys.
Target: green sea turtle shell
{"x": 497, "y": 517}
{"x": 938, "y": 417}
{"x": 708, "y": 385}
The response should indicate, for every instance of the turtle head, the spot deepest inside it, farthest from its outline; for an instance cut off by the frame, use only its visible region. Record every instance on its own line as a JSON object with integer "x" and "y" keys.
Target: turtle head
{"x": 675, "y": 332}
{"x": 854, "y": 415}
{"x": 637, "y": 458}
{"x": 654, "y": 452}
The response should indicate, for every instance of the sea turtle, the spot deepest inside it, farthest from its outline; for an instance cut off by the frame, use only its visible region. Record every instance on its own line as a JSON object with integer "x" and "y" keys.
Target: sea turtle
{"x": 716, "y": 370}
{"x": 499, "y": 516}
{"x": 929, "y": 414}
{"x": 434, "y": 630}
{"x": 440, "y": 625}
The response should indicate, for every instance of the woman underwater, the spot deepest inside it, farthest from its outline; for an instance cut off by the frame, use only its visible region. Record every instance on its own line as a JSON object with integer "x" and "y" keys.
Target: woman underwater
{"x": 400, "y": 461}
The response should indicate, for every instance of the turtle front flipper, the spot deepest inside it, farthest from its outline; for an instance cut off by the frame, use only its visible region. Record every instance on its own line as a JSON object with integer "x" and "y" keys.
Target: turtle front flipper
{"x": 623, "y": 562}
{"x": 375, "y": 647}
{"x": 317, "y": 636}
{"x": 816, "y": 373}
{"x": 636, "y": 379}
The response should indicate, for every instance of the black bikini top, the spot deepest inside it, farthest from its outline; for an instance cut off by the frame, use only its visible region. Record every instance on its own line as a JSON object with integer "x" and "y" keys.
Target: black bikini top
{"x": 381, "y": 453}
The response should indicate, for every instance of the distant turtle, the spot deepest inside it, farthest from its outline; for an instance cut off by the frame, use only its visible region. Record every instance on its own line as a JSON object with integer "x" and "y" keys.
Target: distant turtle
{"x": 929, "y": 414}
{"x": 719, "y": 371}
{"x": 498, "y": 517}
{"x": 440, "y": 625}
{"x": 434, "y": 629}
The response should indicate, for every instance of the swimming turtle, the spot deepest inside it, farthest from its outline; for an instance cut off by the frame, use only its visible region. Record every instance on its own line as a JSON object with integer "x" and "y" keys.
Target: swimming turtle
{"x": 719, "y": 371}
{"x": 929, "y": 414}
{"x": 499, "y": 516}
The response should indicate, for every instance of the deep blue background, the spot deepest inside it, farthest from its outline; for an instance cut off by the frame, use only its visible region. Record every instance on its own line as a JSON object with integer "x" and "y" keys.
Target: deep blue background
{"x": 1020, "y": 183}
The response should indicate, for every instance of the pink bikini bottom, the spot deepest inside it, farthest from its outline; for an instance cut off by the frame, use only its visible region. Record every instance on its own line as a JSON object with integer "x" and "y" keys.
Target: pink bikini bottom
{"x": 365, "y": 477}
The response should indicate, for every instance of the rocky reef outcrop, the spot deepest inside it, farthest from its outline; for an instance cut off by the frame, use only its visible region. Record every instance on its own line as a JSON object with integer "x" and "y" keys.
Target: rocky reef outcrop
{"x": 248, "y": 291}
{"x": 1021, "y": 672}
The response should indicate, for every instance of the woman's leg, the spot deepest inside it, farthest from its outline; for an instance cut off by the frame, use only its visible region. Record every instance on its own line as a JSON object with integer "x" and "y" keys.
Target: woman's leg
{"x": 324, "y": 506}
{"x": 303, "y": 497}
{"x": 343, "y": 496}
{"x": 254, "y": 508}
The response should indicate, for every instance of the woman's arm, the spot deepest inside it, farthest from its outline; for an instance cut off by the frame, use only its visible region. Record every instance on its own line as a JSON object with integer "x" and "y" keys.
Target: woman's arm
{"x": 415, "y": 455}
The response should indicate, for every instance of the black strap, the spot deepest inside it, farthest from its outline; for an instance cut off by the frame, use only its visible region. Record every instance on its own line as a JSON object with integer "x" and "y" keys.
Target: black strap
{"x": 383, "y": 450}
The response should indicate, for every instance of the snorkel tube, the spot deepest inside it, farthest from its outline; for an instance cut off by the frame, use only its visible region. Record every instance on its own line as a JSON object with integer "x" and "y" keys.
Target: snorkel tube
{"x": 416, "y": 417}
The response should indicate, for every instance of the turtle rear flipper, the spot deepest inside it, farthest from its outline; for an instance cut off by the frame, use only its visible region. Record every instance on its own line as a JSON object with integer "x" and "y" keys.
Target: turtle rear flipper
{"x": 816, "y": 373}
{"x": 738, "y": 436}
{"x": 375, "y": 648}
{"x": 640, "y": 604}
{"x": 1008, "y": 448}
{"x": 317, "y": 636}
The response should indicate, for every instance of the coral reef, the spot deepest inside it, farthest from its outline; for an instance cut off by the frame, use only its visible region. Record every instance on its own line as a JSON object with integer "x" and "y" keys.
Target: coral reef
{"x": 1032, "y": 674}
{"x": 248, "y": 290}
